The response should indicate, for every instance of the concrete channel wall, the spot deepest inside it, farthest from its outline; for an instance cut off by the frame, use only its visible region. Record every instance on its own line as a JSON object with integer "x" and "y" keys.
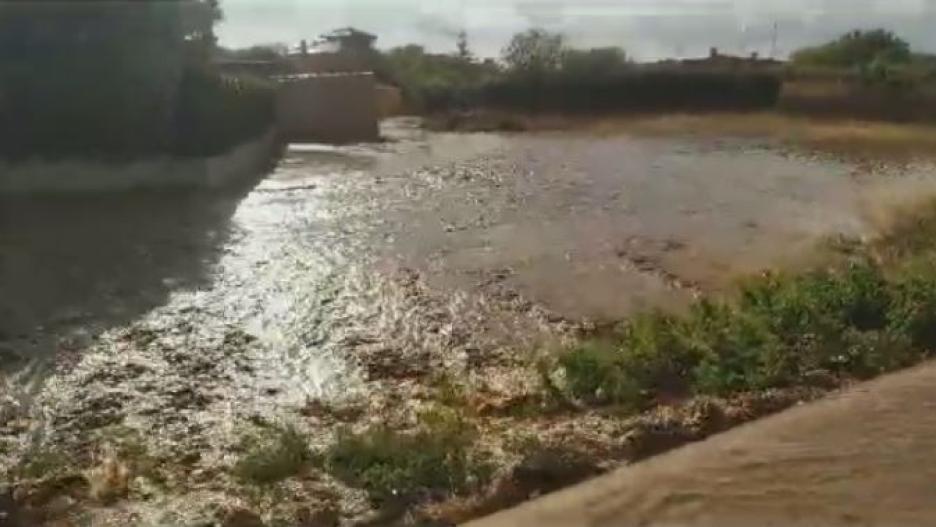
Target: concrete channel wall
{"x": 328, "y": 108}
{"x": 69, "y": 175}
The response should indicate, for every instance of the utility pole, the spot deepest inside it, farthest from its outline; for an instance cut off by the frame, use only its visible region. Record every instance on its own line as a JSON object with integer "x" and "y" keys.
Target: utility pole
{"x": 773, "y": 45}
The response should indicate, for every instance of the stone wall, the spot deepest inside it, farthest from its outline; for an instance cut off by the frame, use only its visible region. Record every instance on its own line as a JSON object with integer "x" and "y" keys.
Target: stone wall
{"x": 331, "y": 108}
{"x": 69, "y": 175}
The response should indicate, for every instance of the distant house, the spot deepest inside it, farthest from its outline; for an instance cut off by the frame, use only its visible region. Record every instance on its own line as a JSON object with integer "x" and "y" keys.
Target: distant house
{"x": 717, "y": 60}
{"x": 348, "y": 40}
{"x": 343, "y": 50}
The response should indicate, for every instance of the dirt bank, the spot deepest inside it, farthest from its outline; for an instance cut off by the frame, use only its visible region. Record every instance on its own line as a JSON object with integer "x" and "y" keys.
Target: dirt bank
{"x": 862, "y": 457}
{"x": 853, "y": 138}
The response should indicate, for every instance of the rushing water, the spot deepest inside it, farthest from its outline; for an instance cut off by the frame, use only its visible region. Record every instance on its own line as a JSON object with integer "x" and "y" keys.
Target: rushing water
{"x": 311, "y": 260}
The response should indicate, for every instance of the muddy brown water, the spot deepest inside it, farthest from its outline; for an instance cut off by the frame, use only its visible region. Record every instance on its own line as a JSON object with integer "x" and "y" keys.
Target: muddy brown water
{"x": 589, "y": 227}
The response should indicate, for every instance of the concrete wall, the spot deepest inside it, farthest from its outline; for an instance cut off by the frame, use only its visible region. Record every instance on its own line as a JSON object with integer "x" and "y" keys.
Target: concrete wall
{"x": 389, "y": 101}
{"x": 339, "y": 108}
{"x": 237, "y": 165}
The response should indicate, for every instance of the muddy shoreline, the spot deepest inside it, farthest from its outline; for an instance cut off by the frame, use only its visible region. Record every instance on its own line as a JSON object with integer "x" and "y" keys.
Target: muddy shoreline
{"x": 423, "y": 285}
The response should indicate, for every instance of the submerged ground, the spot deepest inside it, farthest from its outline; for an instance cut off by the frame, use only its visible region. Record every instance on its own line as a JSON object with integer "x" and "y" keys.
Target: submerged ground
{"x": 163, "y": 355}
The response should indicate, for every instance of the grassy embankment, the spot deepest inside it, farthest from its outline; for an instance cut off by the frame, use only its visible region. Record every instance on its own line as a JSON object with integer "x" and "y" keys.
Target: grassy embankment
{"x": 870, "y": 139}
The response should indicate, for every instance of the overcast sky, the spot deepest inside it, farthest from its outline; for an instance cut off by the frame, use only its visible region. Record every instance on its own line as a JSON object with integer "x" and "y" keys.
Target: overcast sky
{"x": 647, "y": 29}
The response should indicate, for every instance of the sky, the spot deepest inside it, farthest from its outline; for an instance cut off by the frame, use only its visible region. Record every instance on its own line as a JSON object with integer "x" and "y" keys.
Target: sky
{"x": 646, "y": 29}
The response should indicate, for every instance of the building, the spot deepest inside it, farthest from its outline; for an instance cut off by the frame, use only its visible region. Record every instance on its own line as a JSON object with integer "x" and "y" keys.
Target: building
{"x": 348, "y": 40}
{"x": 345, "y": 50}
{"x": 331, "y": 93}
{"x": 717, "y": 60}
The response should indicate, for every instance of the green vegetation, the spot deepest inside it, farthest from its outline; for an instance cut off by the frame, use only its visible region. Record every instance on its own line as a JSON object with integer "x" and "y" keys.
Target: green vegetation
{"x": 433, "y": 460}
{"x": 854, "y": 321}
{"x": 541, "y": 73}
{"x": 857, "y": 49}
{"x": 115, "y": 80}
{"x": 275, "y": 453}
{"x": 535, "y": 52}
{"x": 431, "y": 81}
{"x": 869, "y": 74}
{"x": 40, "y": 462}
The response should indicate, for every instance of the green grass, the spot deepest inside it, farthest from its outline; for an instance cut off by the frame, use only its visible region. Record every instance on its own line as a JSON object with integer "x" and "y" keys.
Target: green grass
{"x": 42, "y": 462}
{"x": 274, "y": 454}
{"x": 854, "y": 321}
{"x": 435, "y": 459}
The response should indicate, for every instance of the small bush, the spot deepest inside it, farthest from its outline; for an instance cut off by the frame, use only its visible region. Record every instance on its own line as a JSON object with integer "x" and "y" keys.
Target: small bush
{"x": 653, "y": 358}
{"x": 389, "y": 464}
{"x": 274, "y": 454}
{"x": 594, "y": 374}
{"x": 735, "y": 351}
{"x": 868, "y": 354}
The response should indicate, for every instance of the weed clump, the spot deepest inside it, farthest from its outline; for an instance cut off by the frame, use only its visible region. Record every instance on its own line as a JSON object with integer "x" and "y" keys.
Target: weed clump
{"x": 276, "y": 453}
{"x": 434, "y": 460}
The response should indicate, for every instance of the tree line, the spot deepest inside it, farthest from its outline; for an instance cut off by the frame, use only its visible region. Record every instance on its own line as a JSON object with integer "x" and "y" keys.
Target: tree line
{"x": 538, "y": 70}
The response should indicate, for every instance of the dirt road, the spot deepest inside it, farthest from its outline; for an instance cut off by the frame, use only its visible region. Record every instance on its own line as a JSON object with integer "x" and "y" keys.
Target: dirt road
{"x": 863, "y": 457}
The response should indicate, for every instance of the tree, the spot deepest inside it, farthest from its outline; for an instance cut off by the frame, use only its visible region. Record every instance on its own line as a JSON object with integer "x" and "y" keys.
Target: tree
{"x": 97, "y": 76}
{"x": 426, "y": 78}
{"x": 534, "y": 52}
{"x": 464, "y": 52}
{"x": 860, "y": 49}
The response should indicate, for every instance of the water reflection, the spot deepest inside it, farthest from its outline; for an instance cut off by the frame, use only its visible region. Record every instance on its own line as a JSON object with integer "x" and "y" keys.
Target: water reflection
{"x": 72, "y": 265}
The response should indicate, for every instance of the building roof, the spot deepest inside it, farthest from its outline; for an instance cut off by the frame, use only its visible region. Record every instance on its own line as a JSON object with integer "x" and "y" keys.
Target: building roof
{"x": 348, "y": 32}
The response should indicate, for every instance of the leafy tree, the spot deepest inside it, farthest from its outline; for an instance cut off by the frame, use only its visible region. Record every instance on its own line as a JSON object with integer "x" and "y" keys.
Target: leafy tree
{"x": 427, "y": 77}
{"x": 103, "y": 77}
{"x": 857, "y": 49}
{"x": 534, "y": 52}
{"x": 464, "y": 52}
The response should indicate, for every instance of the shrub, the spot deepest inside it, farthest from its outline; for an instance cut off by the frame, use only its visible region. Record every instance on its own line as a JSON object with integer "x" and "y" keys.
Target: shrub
{"x": 595, "y": 374}
{"x": 736, "y": 351}
{"x": 857, "y": 49}
{"x": 651, "y": 359}
{"x": 867, "y": 354}
{"x": 850, "y": 322}
{"x": 389, "y": 464}
{"x": 274, "y": 454}
{"x": 914, "y": 308}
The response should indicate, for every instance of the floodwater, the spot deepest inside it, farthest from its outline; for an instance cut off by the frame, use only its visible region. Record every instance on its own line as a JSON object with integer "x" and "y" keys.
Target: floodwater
{"x": 318, "y": 256}
{"x": 359, "y": 272}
